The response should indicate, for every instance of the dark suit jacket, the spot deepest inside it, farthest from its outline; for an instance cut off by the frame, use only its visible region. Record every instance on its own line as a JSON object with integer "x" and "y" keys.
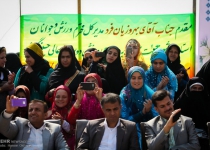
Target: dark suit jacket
{"x": 184, "y": 134}
{"x": 127, "y": 138}
{"x": 19, "y": 130}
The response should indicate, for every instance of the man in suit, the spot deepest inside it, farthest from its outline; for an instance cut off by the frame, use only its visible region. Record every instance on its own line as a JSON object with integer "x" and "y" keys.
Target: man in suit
{"x": 31, "y": 133}
{"x": 111, "y": 132}
{"x": 162, "y": 133}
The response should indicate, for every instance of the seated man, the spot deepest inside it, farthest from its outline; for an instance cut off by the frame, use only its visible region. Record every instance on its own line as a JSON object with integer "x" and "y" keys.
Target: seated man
{"x": 33, "y": 133}
{"x": 111, "y": 132}
{"x": 162, "y": 133}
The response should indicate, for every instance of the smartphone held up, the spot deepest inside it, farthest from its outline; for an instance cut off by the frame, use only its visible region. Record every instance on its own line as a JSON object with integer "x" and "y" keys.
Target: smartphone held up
{"x": 87, "y": 85}
{"x": 19, "y": 102}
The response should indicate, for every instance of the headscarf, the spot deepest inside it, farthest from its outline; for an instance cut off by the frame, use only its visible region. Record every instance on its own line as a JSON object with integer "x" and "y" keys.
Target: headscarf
{"x": 204, "y": 73}
{"x": 22, "y": 111}
{"x": 3, "y": 69}
{"x": 61, "y": 73}
{"x": 90, "y": 106}
{"x": 13, "y": 62}
{"x": 64, "y": 110}
{"x": 175, "y": 66}
{"x": 141, "y": 94}
{"x": 84, "y": 61}
{"x": 195, "y": 104}
{"x": 96, "y": 77}
{"x": 115, "y": 74}
{"x": 153, "y": 78}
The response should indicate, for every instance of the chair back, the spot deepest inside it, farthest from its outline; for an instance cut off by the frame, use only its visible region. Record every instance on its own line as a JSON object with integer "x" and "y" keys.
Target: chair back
{"x": 80, "y": 126}
{"x": 144, "y": 143}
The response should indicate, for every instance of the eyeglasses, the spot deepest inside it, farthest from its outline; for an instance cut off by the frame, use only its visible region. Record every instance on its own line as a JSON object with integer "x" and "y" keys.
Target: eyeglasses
{"x": 90, "y": 57}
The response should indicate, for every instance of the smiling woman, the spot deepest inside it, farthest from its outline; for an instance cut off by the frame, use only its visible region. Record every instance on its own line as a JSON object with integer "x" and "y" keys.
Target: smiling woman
{"x": 34, "y": 75}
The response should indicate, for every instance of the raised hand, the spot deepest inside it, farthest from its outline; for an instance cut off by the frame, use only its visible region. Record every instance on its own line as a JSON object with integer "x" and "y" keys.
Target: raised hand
{"x": 147, "y": 106}
{"x": 98, "y": 92}
{"x": 9, "y": 108}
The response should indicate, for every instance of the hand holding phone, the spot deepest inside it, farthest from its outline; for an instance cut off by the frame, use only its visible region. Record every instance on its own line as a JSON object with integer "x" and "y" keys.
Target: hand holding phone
{"x": 176, "y": 116}
{"x": 19, "y": 102}
{"x": 87, "y": 85}
{"x": 129, "y": 51}
{"x": 99, "y": 54}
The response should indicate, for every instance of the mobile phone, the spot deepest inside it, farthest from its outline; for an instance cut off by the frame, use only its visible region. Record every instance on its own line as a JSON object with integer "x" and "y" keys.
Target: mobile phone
{"x": 19, "y": 102}
{"x": 176, "y": 116}
{"x": 99, "y": 54}
{"x": 88, "y": 85}
{"x": 129, "y": 51}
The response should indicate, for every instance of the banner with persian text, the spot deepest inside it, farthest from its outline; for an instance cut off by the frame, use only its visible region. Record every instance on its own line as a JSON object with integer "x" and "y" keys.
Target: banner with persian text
{"x": 53, "y": 31}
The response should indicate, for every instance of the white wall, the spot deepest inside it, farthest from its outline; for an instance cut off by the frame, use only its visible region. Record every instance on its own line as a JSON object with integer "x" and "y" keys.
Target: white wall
{"x": 10, "y": 12}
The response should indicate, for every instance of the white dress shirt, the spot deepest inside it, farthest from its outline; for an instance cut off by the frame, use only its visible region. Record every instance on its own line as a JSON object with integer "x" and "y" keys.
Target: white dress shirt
{"x": 35, "y": 141}
{"x": 109, "y": 140}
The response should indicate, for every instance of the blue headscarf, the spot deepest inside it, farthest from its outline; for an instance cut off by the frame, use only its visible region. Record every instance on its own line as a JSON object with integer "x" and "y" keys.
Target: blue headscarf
{"x": 153, "y": 78}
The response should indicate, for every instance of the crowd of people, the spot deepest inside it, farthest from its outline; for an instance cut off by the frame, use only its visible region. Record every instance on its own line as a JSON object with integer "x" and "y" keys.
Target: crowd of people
{"x": 125, "y": 94}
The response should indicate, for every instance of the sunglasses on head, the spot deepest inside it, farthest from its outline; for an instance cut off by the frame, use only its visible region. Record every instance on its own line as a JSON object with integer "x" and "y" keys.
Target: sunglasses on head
{"x": 89, "y": 57}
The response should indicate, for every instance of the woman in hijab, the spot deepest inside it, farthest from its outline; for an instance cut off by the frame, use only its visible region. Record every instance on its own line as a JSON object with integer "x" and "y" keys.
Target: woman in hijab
{"x": 35, "y": 73}
{"x": 66, "y": 72}
{"x": 60, "y": 109}
{"x": 195, "y": 103}
{"x": 135, "y": 98}
{"x": 134, "y": 57}
{"x": 87, "y": 105}
{"x": 159, "y": 76}
{"x": 87, "y": 60}
{"x": 6, "y": 84}
{"x": 110, "y": 68}
{"x": 22, "y": 91}
{"x": 13, "y": 62}
{"x": 173, "y": 62}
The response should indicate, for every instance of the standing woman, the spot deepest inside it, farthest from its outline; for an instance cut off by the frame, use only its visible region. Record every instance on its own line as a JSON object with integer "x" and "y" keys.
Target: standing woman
{"x": 35, "y": 73}
{"x": 159, "y": 76}
{"x": 59, "y": 110}
{"x": 173, "y": 62}
{"x": 135, "y": 98}
{"x": 66, "y": 72}
{"x": 111, "y": 68}
{"x": 135, "y": 58}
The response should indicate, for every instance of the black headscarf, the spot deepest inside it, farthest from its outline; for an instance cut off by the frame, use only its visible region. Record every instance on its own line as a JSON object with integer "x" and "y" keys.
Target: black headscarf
{"x": 115, "y": 74}
{"x": 62, "y": 73}
{"x": 13, "y": 62}
{"x": 175, "y": 66}
{"x": 195, "y": 104}
{"x": 84, "y": 61}
{"x": 205, "y": 73}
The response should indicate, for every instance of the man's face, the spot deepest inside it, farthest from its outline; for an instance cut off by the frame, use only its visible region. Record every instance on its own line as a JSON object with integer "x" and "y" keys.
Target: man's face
{"x": 36, "y": 114}
{"x": 165, "y": 107}
{"x": 112, "y": 112}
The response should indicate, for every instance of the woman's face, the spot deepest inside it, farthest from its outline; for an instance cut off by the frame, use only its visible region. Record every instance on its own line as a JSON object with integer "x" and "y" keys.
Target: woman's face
{"x": 158, "y": 65}
{"x": 2, "y": 59}
{"x": 91, "y": 79}
{"x": 65, "y": 59}
{"x": 173, "y": 54}
{"x": 196, "y": 88}
{"x": 136, "y": 80}
{"x": 134, "y": 47}
{"x": 20, "y": 94}
{"x": 89, "y": 58}
{"x": 29, "y": 60}
{"x": 111, "y": 55}
{"x": 61, "y": 98}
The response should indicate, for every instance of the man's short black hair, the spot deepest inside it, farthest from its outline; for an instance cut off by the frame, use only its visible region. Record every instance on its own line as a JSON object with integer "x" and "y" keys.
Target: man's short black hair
{"x": 40, "y": 101}
{"x": 110, "y": 98}
{"x": 159, "y": 96}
